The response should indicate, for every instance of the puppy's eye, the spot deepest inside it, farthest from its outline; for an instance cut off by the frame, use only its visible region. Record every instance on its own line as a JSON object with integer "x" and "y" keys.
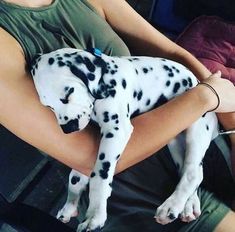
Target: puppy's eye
{"x": 65, "y": 100}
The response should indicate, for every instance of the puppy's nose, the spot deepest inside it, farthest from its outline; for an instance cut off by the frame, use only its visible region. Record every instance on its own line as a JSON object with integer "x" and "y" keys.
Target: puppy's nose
{"x": 70, "y": 126}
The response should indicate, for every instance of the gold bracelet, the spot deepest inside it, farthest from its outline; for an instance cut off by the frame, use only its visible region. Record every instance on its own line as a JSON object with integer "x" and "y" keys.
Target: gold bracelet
{"x": 214, "y": 91}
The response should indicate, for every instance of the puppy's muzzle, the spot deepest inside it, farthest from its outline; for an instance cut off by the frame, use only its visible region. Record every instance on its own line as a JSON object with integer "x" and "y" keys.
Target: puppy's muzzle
{"x": 70, "y": 126}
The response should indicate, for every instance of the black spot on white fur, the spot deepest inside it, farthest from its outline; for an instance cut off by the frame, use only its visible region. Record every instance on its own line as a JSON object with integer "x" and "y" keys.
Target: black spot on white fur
{"x": 184, "y": 82}
{"x": 128, "y": 108}
{"x": 168, "y": 83}
{"x": 102, "y": 156}
{"x": 190, "y": 83}
{"x": 51, "y": 61}
{"x": 109, "y": 135}
{"x": 176, "y": 87}
{"x": 115, "y": 116}
{"x": 104, "y": 171}
{"x": 139, "y": 96}
{"x": 92, "y": 174}
{"x": 113, "y": 82}
{"x": 65, "y": 100}
{"x": 134, "y": 94}
{"x": 70, "y": 126}
{"x": 135, "y": 113}
{"x": 171, "y": 74}
{"x": 148, "y": 102}
{"x": 67, "y": 55}
{"x": 75, "y": 180}
{"x": 145, "y": 70}
{"x": 106, "y": 116}
{"x": 123, "y": 83}
{"x": 90, "y": 66}
{"x": 112, "y": 92}
{"x": 61, "y": 63}
{"x": 161, "y": 100}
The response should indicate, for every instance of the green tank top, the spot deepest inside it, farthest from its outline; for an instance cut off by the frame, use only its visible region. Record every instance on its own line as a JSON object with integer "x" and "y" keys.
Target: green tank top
{"x": 64, "y": 23}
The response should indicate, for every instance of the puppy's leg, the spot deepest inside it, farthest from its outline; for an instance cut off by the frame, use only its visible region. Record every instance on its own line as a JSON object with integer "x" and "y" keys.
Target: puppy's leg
{"x": 198, "y": 138}
{"x": 77, "y": 184}
{"x": 112, "y": 145}
{"x": 192, "y": 207}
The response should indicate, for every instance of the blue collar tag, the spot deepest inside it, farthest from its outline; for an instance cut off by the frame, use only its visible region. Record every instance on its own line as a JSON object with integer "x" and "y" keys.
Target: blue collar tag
{"x": 97, "y": 52}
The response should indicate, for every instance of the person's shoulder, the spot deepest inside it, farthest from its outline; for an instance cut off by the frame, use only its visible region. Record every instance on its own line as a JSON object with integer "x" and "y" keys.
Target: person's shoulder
{"x": 11, "y": 53}
{"x": 98, "y": 5}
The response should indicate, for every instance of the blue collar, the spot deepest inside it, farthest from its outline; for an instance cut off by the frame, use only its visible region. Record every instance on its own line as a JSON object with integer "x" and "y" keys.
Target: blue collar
{"x": 95, "y": 51}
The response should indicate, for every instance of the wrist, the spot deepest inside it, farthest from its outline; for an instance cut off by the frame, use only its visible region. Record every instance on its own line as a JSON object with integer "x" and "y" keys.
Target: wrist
{"x": 209, "y": 87}
{"x": 193, "y": 64}
{"x": 208, "y": 98}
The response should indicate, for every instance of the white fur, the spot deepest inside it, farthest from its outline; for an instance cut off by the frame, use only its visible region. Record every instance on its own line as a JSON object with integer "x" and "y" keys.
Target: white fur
{"x": 102, "y": 87}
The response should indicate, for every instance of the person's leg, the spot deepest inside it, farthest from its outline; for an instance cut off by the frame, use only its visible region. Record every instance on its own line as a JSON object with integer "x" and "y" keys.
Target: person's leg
{"x": 227, "y": 224}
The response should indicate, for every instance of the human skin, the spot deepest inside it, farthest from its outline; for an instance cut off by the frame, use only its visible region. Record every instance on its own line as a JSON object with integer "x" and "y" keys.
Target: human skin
{"x": 22, "y": 110}
{"x": 22, "y": 113}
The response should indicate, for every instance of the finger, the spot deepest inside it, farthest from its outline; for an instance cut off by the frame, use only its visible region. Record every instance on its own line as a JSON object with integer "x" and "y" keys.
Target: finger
{"x": 217, "y": 74}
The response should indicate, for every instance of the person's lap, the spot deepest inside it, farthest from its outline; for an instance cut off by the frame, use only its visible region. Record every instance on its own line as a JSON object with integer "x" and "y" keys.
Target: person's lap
{"x": 136, "y": 194}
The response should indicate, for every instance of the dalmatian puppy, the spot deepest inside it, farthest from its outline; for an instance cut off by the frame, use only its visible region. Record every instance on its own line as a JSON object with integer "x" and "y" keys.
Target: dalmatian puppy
{"x": 81, "y": 86}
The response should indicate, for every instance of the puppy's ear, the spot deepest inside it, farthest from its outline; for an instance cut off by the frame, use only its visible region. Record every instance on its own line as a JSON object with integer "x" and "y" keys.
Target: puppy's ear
{"x": 35, "y": 59}
{"x": 34, "y": 62}
{"x": 102, "y": 90}
{"x": 91, "y": 73}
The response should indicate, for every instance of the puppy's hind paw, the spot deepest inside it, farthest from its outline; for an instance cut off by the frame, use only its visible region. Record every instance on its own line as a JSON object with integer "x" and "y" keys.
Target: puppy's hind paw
{"x": 192, "y": 209}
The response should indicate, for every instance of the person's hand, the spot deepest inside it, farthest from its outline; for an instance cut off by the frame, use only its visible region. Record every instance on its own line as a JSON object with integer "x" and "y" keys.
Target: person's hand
{"x": 222, "y": 98}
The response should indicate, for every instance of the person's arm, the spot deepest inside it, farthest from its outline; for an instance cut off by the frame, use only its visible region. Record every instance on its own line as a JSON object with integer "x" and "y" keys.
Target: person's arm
{"x": 146, "y": 40}
{"x": 23, "y": 114}
{"x": 143, "y": 38}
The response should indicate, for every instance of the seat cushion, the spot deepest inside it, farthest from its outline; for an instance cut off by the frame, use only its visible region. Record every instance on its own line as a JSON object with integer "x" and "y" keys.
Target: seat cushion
{"x": 212, "y": 41}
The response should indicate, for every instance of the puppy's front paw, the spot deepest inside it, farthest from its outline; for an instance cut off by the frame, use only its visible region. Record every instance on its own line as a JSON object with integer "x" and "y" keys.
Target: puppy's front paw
{"x": 192, "y": 209}
{"x": 68, "y": 211}
{"x": 93, "y": 223}
{"x": 169, "y": 210}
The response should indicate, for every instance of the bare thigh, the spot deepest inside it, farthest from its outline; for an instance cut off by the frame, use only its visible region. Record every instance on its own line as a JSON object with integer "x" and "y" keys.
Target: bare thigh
{"x": 227, "y": 224}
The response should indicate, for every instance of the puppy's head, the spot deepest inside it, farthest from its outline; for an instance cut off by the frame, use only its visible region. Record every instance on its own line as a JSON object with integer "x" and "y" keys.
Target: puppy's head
{"x": 67, "y": 96}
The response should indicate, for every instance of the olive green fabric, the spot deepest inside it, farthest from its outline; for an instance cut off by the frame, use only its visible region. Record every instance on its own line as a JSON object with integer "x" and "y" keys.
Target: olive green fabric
{"x": 64, "y": 23}
{"x": 140, "y": 189}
